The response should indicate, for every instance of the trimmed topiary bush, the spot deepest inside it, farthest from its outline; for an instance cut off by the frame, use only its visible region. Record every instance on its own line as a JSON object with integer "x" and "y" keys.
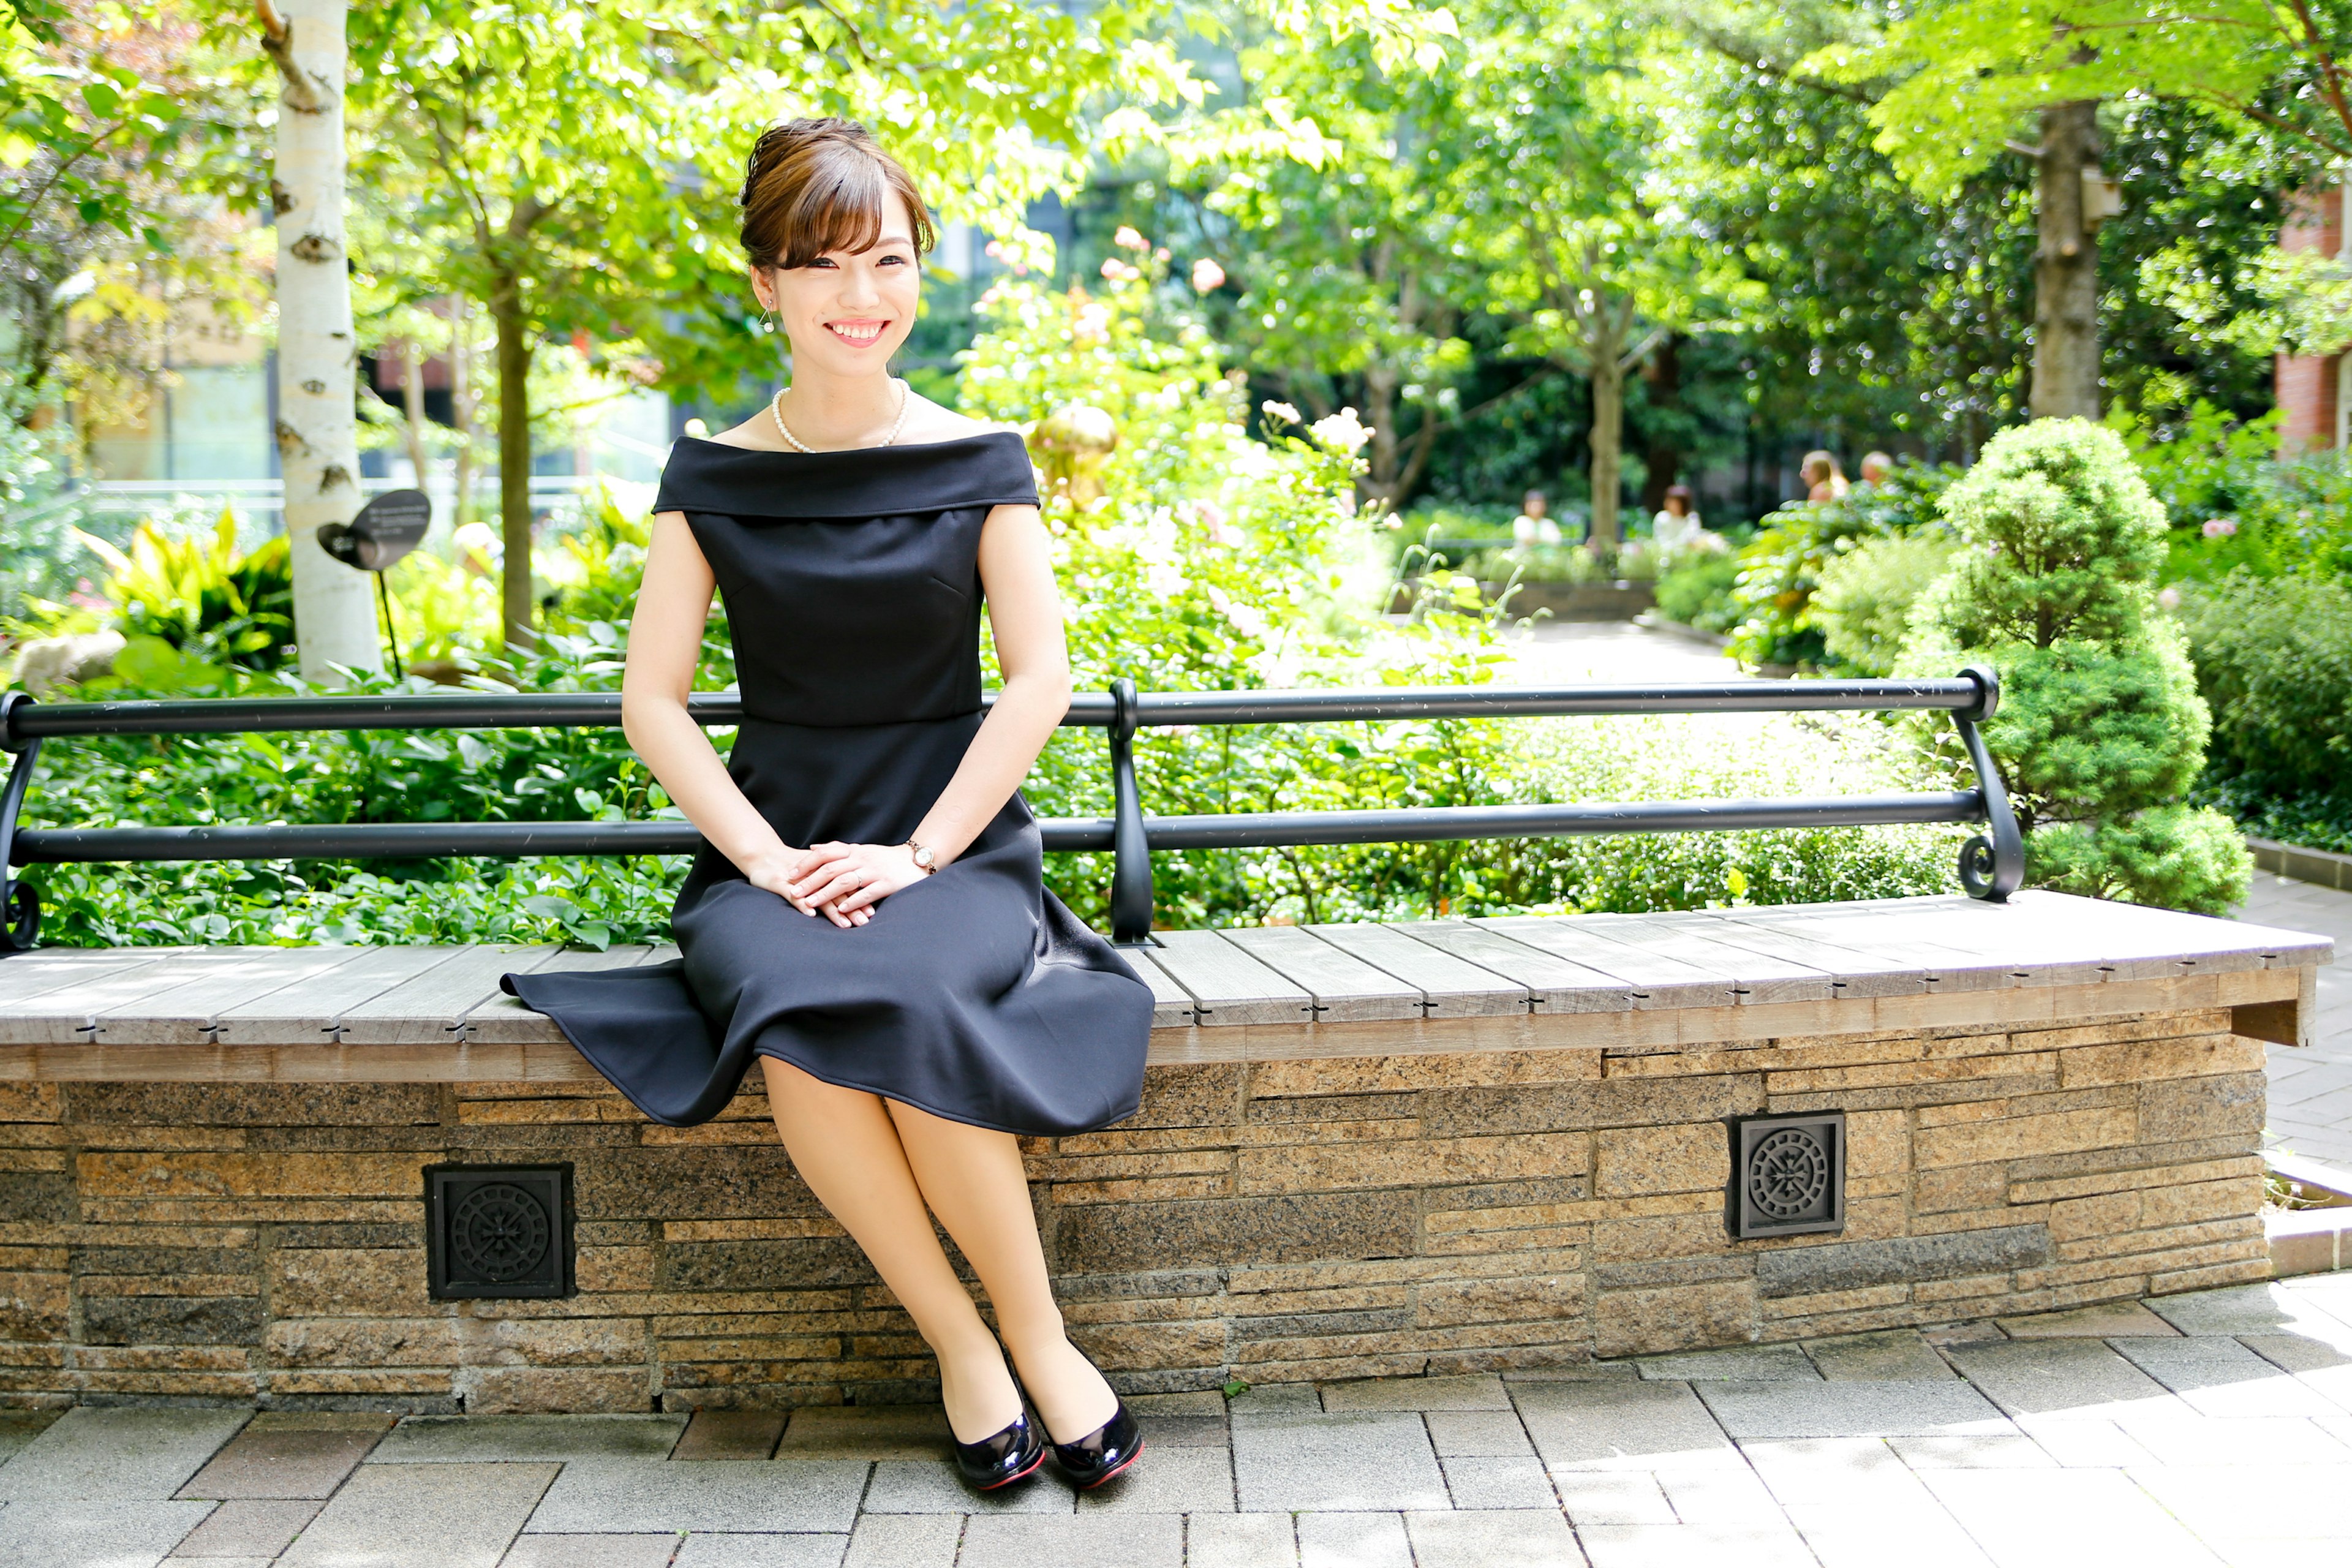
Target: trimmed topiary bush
{"x": 2101, "y": 729}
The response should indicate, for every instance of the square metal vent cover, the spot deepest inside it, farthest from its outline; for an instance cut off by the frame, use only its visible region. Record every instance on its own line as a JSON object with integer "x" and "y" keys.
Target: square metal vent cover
{"x": 1787, "y": 1175}
{"x": 497, "y": 1231}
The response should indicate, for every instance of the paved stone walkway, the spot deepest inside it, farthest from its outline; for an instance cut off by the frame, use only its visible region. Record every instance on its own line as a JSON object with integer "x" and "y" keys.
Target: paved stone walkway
{"x": 2205, "y": 1429}
{"x": 2311, "y": 1085}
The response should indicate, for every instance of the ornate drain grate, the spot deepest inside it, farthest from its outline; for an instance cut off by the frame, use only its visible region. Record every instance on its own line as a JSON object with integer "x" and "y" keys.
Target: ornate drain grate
{"x": 1787, "y": 1175}
{"x": 497, "y": 1231}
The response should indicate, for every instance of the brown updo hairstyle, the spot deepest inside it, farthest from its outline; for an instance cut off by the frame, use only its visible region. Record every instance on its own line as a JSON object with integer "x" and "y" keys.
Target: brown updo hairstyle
{"x": 817, "y": 185}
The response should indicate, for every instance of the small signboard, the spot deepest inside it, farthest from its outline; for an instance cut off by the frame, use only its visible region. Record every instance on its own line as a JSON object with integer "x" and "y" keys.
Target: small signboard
{"x": 386, "y": 528}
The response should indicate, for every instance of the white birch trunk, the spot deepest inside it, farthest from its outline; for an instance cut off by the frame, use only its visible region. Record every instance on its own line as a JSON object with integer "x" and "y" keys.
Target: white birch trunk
{"x": 334, "y": 604}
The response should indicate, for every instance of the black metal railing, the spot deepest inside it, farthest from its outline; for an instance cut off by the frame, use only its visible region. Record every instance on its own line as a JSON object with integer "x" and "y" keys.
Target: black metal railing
{"x": 1991, "y": 864}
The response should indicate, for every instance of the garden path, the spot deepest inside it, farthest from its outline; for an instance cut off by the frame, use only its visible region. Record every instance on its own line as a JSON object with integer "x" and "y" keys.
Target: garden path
{"x": 1613, "y": 651}
{"x": 2311, "y": 1085}
{"x": 2205, "y": 1429}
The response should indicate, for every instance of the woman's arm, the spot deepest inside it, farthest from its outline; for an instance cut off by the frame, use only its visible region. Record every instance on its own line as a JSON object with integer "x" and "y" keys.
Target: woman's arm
{"x": 1025, "y": 612}
{"x": 665, "y": 646}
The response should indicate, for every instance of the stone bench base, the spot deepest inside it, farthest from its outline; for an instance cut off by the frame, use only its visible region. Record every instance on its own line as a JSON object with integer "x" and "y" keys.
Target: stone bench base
{"x": 1352, "y": 1211}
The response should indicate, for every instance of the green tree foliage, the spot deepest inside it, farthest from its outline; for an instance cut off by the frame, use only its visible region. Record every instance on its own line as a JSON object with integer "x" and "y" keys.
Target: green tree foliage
{"x": 2101, "y": 730}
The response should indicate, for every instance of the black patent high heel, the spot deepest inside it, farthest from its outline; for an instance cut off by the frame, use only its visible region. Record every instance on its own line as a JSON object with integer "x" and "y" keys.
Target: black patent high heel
{"x": 1104, "y": 1452}
{"x": 1007, "y": 1456}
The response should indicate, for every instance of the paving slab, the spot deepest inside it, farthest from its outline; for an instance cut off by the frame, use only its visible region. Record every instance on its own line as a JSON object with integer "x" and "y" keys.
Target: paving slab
{"x": 2081, "y": 1377}
{"x": 487, "y": 1439}
{"x": 1164, "y": 1480}
{"x": 100, "y": 1455}
{"x": 2004, "y": 1451}
{"x": 2219, "y": 1376}
{"x": 276, "y": 1459}
{"x": 2077, "y": 1444}
{"x": 2107, "y": 1321}
{"x": 1241, "y": 1540}
{"x": 2270, "y": 1308}
{"x": 927, "y": 1486}
{"x": 1925, "y": 1535}
{"x": 1515, "y": 1483}
{"x": 1815, "y": 1469}
{"x": 1741, "y": 1364}
{"x": 1612, "y": 1497}
{"x": 1887, "y": 1355}
{"x": 248, "y": 1528}
{"x": 905, "y": 1540}
{"x": 2045, "y": 1518}
{"x": 731, "y": 1435}
{"x": 94, "y": 1534}
{"x": 1478, "y": 1435}
{"x": 2323, "y": 1368}
{"x": 1183, "y": 1431}
{"x": 630, "y": 1495}
{"x": 1037, "y": 1541}
{"x": 1481, "y": 1392}
{"x": 1851, "y": 1409}
{"x": 408, "y": 1516}
{"x": 1725, "y": 1497}
{"x": 2298, "y": 1502}
{"x": 762, "y": 1551}
{"x": 1336, "y": 1462}
{"x": 1192, "y": 1402}
{"x": 1273, "y": 1399}
{"x": 1693, "y": 1546}
{"x": 591, "y": 1551}
{"x": 876, "y": 1432}
{"x": 1621, "y": 1426}
{"x": 1518, "y": 1538}
{"x": 2199, "y": 1440}
{"x": 1353, "y": 1540}
{"x": 19, "y": 1427}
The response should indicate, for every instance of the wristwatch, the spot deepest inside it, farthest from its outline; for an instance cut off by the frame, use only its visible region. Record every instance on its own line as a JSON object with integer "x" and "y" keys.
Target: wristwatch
{"x": 926, "y": 861}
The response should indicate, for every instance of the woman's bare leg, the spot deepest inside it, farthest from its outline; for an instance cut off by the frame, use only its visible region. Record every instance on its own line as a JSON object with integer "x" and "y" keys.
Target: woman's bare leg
{"x": 973, "y": 1180}
{"x": 846, "y": 1148}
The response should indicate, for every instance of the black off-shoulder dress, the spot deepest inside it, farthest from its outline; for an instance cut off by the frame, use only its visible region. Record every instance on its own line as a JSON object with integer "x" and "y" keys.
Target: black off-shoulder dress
{"x": 852, "y": 589}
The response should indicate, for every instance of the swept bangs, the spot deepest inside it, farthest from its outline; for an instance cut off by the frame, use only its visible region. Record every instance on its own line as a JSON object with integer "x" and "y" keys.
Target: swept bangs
{"x": 818, "y": 186}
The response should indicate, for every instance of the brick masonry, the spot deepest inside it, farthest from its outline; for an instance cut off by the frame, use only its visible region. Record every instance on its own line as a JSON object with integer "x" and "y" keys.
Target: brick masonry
{"x": 1278, "y": 1220}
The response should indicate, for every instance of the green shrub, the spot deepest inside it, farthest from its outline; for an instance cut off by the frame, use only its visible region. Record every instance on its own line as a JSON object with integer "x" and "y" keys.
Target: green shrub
{"x": 1865, "y": 598}
{"x": 2274, "y": 659}
{"x": 2101, "y": 730}
{"x": 1779, "y": 569}
{"x": 2234, "y": 506}
{"x": 1695, "y": 588}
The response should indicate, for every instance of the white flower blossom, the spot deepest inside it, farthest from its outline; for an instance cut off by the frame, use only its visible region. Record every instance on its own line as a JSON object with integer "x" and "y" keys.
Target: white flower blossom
{"x": 1342, "y": 432}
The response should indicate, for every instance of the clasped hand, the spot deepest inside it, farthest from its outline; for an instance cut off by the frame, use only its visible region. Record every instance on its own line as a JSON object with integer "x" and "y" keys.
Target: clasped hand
{"x": 841, "y": 881}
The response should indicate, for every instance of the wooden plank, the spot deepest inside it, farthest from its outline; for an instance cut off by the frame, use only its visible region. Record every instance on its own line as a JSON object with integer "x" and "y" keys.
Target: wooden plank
{"x": 1554, "y": 983}
{"x": 1171, "y": 1005}
{"x": 1346, "y": 989}
{"x": 1653, "y": 980}
{"x": 1227, "y": 985}
{"x": 1756, "y": 977}
{"x": 310, "y": 1009}
{"x": 186, "y": 1014}
{"x": 501, "y": 1018}
{"x": 663, "y": 953}
{"x": 1453, "y": 987}
{"x": 25, "y": 977}
{"x": 433, "y": 1005}
{"x": 1857, "y": 969}
{"x": 64, "y": 1013}
{"x": 2054, "y": 939}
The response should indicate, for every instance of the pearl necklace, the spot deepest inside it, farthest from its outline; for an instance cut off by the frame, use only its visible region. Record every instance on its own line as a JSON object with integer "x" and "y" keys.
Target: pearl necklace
{"x": 776, "y": 412}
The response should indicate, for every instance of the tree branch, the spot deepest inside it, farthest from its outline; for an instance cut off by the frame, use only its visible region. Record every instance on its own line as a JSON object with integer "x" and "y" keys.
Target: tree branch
{"x": 278, "y": 43}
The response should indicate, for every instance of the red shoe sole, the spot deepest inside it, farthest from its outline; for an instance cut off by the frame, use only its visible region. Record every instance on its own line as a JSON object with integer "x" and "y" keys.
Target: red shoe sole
{"x": 1114, "y": 1475}
{"x": 998, "y": 1486}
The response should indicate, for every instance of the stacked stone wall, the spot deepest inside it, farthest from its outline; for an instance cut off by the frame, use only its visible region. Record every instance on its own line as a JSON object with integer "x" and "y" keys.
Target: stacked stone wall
{"x": 1343, "y": 1216}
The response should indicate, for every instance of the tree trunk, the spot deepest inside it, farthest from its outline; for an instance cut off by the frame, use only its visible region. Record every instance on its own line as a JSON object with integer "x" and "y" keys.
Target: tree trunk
{"x": 1608, "y": 438}
{"x": 1664, "y": 459}
{"x": 334, "y": 604}
{"x": 412, "y": 400}
{"x": 1381, "y": 455}
{"x": 2066, "y": 268}
{"x": 461, "y": 409}
{"x": 514, "y": 463}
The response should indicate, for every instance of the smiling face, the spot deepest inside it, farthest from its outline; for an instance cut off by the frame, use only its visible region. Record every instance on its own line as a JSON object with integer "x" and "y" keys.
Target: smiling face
{"x": 846, "y": 312}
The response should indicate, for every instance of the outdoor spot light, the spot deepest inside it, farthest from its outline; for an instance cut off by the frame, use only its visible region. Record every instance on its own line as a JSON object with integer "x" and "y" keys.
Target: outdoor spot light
{"x": 386, "y": 528}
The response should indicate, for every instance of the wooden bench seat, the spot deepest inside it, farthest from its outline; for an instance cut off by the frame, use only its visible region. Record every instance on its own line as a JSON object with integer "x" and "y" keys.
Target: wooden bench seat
{"x": 1649, "y": 982}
